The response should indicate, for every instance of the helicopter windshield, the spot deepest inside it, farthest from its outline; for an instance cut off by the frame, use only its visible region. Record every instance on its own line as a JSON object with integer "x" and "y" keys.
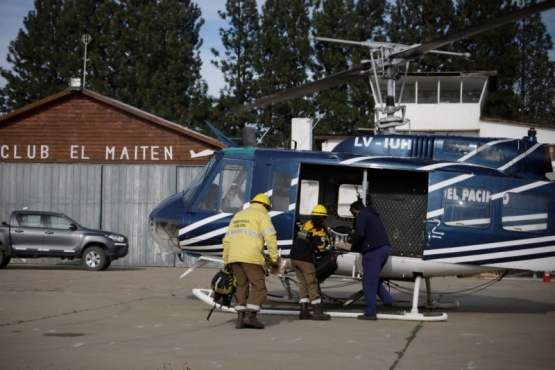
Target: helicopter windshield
{"x": 196, "y": 185}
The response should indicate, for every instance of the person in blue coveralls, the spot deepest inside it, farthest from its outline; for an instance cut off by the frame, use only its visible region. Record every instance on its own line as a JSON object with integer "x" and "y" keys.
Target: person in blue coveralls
{"x": 370, "y": 239}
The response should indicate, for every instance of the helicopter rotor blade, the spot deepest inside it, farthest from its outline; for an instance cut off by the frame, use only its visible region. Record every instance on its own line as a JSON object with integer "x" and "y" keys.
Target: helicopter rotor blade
{"x": 328, "y": 82}
{"x": 421, "y": 49}
{"x": 407, "y": 53}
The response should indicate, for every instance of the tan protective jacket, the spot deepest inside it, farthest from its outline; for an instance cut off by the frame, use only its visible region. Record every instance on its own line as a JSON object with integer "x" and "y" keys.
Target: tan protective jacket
{"x": 246, "y": 234}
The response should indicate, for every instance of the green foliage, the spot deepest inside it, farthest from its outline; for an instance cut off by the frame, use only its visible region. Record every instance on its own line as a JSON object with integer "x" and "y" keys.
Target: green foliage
{"x": 534, "y": 71}
{"x": 421, "y": 21}
{"x": 282, "y": 61}
{"x": 344, "y": 108}
{"x": 147, "y": 54}
{"x": 493, "y": 50}
{"x": 237, "y": 64}
{"x": 131, "y": 40}
{"x": 45, "y": 54}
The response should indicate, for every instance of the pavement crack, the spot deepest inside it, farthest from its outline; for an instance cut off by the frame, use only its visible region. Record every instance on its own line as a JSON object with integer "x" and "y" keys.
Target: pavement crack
{"x": 412, "y": 336}
{"x": 71, "y": 312}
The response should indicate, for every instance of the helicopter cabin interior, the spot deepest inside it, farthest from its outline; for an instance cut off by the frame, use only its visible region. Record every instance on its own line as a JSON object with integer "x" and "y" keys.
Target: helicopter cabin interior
{"x": 402, "y": 204}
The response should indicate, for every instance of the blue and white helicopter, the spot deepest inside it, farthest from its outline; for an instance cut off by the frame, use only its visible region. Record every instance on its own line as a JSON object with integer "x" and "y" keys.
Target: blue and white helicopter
{"x": 452, "y": 205}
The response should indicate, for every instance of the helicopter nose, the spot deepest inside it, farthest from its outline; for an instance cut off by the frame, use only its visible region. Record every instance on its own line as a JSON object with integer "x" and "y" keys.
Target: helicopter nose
{"x": 164, "y": 222}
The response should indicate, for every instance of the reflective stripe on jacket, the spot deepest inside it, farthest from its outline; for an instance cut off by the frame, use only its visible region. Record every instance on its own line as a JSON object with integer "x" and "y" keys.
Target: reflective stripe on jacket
{"x": 246, "y": 234}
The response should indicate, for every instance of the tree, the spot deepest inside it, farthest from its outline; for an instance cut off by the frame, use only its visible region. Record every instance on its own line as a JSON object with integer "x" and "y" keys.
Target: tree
{"x": 535, "y": 82}
{"x": 341, "y": 109}
{"x": 283, "y": 58}
{"x": 418, "y": 22}
{"x": 237, "y": 62}
{"x": 46, "y": 54}
{"x": 493, "y": 50}
{"x": 142, "y": 53}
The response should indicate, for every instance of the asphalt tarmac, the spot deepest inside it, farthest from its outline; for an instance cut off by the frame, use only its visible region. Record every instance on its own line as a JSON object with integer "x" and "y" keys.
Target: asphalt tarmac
{"x": 63, "y": 317}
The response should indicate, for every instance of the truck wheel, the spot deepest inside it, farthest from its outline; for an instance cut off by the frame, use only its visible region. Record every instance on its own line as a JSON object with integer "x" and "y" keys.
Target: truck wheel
{"x": 4, "y": 260}
{"x": 108, "y": 263}
{"x": 95, "y": 259}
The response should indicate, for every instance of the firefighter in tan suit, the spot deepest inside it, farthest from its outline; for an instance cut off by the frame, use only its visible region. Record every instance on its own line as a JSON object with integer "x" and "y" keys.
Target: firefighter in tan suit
{"x": 243, "y": 244}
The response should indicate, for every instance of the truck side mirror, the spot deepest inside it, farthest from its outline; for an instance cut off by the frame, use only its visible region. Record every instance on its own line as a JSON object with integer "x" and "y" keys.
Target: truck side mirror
{"x": 72, "y": 227}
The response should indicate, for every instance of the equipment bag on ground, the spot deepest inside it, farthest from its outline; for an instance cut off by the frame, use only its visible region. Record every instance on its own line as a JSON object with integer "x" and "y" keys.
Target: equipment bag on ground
{"x": 224, "y": 285}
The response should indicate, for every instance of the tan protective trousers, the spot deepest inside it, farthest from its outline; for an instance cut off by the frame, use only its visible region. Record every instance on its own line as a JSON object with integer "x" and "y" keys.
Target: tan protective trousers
{"x": 308, "y": 285}
{"x": 253, "y": 275}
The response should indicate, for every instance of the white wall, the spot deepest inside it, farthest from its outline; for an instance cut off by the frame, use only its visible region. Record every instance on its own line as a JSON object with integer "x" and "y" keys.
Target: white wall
{"x": 442, "y": 117}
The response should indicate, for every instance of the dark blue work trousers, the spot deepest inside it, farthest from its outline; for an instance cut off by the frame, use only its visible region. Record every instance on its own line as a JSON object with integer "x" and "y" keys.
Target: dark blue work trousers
{"x": 372, "y": 264}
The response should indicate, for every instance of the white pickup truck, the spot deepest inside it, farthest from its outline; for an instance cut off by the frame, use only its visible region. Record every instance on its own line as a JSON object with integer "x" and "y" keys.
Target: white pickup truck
{"x": 35, "y": 234}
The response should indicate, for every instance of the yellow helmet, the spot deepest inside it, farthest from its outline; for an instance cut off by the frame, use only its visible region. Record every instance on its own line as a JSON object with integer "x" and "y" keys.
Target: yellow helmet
{"x": 263, "y": 199}
{"x": 319, "y": 210}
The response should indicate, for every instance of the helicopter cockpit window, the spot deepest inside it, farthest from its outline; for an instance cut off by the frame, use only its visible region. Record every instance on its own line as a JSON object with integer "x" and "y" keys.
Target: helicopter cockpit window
{"x": 209, "y": 201}
{"x": 467, "y": 207}
{"x": 309, "y": 196}
{"x": 525, "y": 212}
{"x": 233, "y": 188}
{"x": 197, "y": 184}
{"x": 281, "y": 192}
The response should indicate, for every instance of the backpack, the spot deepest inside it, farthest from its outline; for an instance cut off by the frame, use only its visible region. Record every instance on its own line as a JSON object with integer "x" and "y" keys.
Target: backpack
{"x": 224, "y": 285}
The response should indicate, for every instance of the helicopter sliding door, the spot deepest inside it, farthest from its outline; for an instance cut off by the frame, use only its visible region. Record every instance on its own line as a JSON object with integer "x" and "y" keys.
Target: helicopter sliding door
{"x": 401, "y": 199}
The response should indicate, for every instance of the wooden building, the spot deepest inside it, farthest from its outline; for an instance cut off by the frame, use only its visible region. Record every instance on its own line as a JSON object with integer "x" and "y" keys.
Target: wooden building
{"x": 103, "y": 163}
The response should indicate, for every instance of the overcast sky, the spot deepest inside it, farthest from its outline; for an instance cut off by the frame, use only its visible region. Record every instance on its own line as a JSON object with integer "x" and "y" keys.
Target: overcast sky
{"x": 13, "y": 12}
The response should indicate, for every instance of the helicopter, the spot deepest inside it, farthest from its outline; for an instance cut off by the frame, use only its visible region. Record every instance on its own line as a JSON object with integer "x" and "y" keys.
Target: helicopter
{"x": 452, "y": 205}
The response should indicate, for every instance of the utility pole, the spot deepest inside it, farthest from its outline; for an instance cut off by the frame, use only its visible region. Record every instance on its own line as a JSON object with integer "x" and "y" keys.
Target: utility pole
{"x": 85, "y": 39}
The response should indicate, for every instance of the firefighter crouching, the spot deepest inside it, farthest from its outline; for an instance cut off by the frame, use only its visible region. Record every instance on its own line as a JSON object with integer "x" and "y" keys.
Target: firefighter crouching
{"x": 310, "y": 240}
{"x": 243, "y": 244}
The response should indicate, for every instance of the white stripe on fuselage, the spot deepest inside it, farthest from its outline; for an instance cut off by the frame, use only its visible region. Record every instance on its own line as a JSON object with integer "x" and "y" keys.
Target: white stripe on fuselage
{"x": 496, "y": 245}
{"x": 222, "y": 230}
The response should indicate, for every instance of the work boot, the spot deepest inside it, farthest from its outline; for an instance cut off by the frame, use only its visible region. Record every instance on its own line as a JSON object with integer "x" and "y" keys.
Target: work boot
{"x": 319, "y": 312}
{"x": 305, "y": 313}
{"x": 250, "y": 321}
{"x": 240, "y": 317}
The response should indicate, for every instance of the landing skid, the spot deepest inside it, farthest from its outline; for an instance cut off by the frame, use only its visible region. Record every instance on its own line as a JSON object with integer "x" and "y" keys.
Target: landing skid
{"x": 430, "y": 304}
{"x": 206, "y": 296}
